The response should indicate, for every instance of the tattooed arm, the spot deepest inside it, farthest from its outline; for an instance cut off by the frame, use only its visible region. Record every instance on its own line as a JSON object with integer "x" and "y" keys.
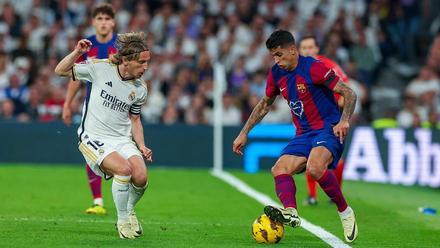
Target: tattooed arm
{"x": 341, "y": 129}
{"x": 258, "y": 113}
{"x": 349, "y": 100}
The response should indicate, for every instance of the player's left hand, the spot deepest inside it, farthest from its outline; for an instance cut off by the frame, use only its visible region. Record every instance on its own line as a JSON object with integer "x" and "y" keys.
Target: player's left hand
{"x": 147, "y": 153}
{"x": 341, "y": 130}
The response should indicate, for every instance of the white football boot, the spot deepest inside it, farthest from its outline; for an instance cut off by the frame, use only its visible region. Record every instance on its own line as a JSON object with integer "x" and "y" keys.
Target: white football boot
{"x": 349, "y": 224}
{"x": 124, "y": 230}
{"x": 286, "y": 216}
{"x": 136, "y": 226}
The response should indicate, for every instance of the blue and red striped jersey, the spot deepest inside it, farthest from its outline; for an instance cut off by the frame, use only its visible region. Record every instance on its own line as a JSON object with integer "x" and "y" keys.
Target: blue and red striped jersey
{"x": 99, "y": 50}
{"x": 308, "y": 91}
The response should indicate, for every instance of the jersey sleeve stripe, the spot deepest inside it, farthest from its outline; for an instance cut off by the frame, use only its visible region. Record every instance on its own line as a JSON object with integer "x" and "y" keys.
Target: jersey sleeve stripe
{"x": 135, "y": 112}
{"x": 329, "y": 80}
{"x": 332, "y": 81}
{"x": 135, "y": 109}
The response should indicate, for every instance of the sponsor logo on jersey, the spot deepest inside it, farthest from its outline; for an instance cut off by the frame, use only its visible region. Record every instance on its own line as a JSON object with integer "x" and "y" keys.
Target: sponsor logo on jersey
{"x": 109, "y": 83}
{"x": 113, "y": 102}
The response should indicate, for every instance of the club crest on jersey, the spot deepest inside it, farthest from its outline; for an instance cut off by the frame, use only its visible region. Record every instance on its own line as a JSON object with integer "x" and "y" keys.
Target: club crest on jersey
{"x": 101, "y": 151}
{"x": 132, "y": 96}
{"x": 301, "y": 88}
{"x": 297, "y": 108}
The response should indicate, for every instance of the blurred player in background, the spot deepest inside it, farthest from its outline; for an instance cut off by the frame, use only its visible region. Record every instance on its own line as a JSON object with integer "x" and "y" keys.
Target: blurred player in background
{"x": 111, "y": 133}
{"x": 308, "y": 46}
{"x": 103, "y": 45}
{"x": 307, "y": 85}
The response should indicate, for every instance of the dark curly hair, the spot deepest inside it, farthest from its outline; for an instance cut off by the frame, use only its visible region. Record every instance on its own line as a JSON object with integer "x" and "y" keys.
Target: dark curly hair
{"x": 105, "y": 9}
{"x": 280, "y": 38}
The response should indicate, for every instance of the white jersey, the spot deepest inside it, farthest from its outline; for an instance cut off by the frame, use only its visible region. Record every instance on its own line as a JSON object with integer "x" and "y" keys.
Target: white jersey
{"x": 109, "y": 101}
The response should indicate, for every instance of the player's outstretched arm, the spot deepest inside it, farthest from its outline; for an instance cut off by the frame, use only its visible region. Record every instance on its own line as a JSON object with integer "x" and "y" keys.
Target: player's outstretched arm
{"x": 341, "y": 129}
{"x": 138, "y": 136}
{"x": 64, "y": 67}
{"x": 258, "y": 113}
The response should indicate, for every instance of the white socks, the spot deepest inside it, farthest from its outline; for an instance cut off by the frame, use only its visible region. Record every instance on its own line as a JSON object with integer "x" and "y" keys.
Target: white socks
{"x": 98, "y": 201}
{"x": 346, "y": 212}
{"x": 135, "y": 193}
{"x": 120, "y": 195}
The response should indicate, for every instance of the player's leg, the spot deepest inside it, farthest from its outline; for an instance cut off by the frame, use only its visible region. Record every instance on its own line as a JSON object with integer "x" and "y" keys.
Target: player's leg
{"x": 284, "y": 184}
{"x": 139, "y": 181}
{"x": 136, "y": 190}
{"x": 286, "y": 189}
{"x": 105, "y": 161}
{"x": 319, "y": 159}
{"x": 95, "y": 184}
{"x": 292, "y": 161}
{"x": 311, "y": 187}
{"x": 339, "y": 170}
{"x": 114, "y": 164}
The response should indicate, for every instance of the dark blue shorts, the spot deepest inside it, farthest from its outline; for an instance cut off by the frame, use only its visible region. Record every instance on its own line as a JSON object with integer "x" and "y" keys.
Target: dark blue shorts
{"x": 302, "y": 145}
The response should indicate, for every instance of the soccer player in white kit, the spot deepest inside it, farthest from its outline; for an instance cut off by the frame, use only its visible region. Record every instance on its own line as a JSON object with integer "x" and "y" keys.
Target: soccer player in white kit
{"x": 110, "y": 134}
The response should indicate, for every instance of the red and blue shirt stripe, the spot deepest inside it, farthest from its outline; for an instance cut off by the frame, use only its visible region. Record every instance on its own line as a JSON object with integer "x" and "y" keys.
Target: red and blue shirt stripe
{"x": 308, "y": 90}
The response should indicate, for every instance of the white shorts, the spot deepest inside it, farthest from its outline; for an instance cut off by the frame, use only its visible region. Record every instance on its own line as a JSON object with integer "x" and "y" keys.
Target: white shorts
{"x": 95, "y": 150}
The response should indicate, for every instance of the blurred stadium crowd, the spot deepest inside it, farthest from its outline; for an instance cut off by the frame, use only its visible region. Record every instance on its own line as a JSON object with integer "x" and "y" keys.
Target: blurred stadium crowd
{"x": 390, "y": 49}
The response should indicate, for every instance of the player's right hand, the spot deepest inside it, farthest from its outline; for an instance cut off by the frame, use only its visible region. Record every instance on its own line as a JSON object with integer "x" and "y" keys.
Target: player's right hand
{"x": 239, "y": 143}
{"x": 147, "y": 153}
{"x": 67, "y": 115}
{"x": 83, "y": 46}
{"x": 341, "y": 130}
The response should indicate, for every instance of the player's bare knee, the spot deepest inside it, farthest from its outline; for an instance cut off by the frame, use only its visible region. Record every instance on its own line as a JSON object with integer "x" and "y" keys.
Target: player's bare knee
{"x": 123, "y": 170}
{"x": 315, "y": 171}
{"x": 139, "y": 180}
{"x": 278, "y": 169}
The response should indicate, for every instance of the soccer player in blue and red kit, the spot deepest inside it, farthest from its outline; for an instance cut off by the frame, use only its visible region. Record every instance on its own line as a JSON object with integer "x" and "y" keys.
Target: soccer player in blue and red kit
{"x": 308, "y": 46}
{"x": 308, "y": 86}
{"x": 103, "y": 45}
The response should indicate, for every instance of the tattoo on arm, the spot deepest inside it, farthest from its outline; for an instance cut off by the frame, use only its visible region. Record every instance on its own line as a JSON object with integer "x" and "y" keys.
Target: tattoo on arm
{"x": 349, "y": 100}
{"x": 258, "y": 113}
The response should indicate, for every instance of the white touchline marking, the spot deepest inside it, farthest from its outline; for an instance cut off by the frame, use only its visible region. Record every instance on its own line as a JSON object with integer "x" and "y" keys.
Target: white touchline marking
{"x": 318, "y": 231}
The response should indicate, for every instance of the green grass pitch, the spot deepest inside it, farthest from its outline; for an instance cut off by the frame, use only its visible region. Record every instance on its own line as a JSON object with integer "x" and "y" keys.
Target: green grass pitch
{"x": 43, "y": 206}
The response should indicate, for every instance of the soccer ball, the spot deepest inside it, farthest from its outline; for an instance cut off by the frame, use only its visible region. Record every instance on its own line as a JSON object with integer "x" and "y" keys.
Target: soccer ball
{"x": 265, "y": 230}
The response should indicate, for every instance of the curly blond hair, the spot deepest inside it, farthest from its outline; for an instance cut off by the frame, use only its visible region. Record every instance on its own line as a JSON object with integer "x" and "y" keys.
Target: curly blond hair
{"x": 129, "y": 45}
